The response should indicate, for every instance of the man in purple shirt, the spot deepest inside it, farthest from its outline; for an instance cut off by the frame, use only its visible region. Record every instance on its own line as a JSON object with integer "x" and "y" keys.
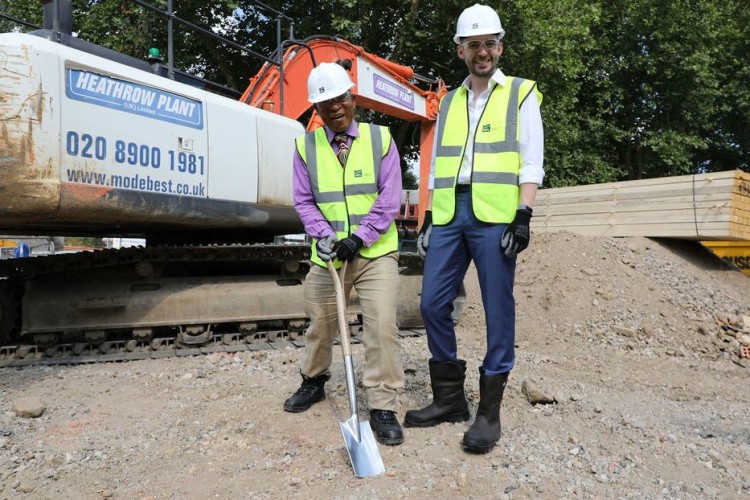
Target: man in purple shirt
{"x": 347, "y": 192}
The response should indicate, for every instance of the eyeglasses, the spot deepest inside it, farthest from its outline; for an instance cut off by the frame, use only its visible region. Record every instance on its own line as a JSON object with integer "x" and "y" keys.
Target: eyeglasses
{"x": 477, "y": 45}
{"x": 339, "y": 99}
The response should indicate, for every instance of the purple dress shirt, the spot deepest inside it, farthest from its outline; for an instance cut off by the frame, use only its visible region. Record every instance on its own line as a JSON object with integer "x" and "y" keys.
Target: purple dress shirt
{"x": 383, "y": 212}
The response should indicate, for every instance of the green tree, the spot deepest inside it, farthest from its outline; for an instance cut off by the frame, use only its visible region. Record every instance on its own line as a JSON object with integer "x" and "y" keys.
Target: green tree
{"x": 552, "y": 43}
{"x": 29, "y": 12}
{"x": 729, "y": 132}
{"x": 660, "y": 78}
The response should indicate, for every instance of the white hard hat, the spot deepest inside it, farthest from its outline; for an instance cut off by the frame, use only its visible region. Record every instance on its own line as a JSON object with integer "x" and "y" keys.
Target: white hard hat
{"x": 326, "y": 81}
{"x": 478, "y": 20}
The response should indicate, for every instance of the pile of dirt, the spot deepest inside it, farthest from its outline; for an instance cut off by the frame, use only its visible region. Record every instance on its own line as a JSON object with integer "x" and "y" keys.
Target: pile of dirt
{"x": 635, "y": 342}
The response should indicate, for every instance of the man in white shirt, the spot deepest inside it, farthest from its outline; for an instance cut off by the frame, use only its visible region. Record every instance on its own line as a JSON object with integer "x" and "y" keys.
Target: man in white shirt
{"x": 486, "y": 168}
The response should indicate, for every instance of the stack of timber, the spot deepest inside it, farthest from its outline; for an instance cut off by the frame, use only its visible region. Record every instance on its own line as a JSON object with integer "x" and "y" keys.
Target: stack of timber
{"x": 712, "y": 206}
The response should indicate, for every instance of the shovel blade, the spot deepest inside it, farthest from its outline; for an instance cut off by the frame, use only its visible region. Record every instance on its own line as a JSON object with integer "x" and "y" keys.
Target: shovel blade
{"x": 364, "y": 454}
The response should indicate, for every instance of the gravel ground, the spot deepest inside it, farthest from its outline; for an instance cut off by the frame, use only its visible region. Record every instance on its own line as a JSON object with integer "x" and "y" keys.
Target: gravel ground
{"x": 636, "y": 344}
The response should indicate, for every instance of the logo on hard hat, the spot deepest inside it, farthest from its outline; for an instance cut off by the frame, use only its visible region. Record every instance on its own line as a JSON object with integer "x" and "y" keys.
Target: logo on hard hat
{"x": 475, "y": 26}
{"x": 321, "y": 90}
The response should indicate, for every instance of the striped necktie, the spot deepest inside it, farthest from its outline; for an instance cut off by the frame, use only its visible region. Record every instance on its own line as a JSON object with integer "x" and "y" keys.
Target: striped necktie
{"x": 343, "y": 153}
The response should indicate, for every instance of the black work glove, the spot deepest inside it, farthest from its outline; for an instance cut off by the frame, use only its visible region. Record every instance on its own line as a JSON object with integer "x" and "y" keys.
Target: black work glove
{"x": 516, "y": 236}
{"x": 423, "y": 238}
{"x": 324, "y": 247}
{"x": 348, "y": 248}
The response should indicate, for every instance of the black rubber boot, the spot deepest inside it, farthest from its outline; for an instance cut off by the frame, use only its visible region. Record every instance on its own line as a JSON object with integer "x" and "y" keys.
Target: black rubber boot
{"x": 448, "y": 398}
{"x": 485, "y": 431}
{"x": 310, "y": 392}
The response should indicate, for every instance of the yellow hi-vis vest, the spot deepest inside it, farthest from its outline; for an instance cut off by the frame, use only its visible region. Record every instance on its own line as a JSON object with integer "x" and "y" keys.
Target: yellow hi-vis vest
{"x": 496, "y": 161}
{"x": 346, "y": 195}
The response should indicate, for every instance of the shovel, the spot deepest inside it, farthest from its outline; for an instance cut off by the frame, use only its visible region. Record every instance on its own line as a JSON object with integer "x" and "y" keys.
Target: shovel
{"x": 360, "y": 442}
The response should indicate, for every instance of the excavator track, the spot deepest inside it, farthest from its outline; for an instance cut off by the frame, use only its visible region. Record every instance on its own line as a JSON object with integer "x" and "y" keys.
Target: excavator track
{"x": 161, "y": 347}
{"x": 42, "y": 338}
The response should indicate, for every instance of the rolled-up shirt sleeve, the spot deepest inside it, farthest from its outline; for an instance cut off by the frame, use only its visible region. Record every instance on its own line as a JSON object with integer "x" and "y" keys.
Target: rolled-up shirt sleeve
{"x": 388, "y": 203}
{"x": 531, "y": 143}
{"x": 431, "y": 178}
{"x": 304, "y": 202}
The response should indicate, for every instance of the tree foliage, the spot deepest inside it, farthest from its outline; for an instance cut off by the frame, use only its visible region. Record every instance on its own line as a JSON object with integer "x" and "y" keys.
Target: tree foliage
{"x": 632, "y": 88}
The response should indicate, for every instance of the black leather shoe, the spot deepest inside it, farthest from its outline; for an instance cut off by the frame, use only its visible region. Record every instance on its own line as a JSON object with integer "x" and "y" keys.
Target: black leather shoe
{"x": 310, "y": 392}
{"x": 386, "y": 428}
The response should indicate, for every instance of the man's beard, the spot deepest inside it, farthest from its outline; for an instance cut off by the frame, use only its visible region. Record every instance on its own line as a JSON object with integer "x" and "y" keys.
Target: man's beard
{"x": 482, "y": 73}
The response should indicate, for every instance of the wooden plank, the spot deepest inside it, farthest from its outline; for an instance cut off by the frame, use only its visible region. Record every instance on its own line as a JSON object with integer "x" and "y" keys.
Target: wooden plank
{"x": 673, "y": 230}
{"x": 721, "y": 185}
{"x": 626, "y": 206}
{"x": 705, "y": 181}
{"x": 543, "y": 200}
{"x": 567, "y": 195}
{"x": 651, "y": 228}
{"x": 721, "y": 214}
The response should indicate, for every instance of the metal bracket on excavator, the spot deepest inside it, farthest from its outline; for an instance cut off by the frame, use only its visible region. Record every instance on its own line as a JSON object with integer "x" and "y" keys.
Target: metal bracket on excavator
{"x": 193, "y": 335}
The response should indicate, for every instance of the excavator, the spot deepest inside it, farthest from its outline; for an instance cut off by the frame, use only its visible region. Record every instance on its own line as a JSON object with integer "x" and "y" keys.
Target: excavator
{"x": 97, "y": 143}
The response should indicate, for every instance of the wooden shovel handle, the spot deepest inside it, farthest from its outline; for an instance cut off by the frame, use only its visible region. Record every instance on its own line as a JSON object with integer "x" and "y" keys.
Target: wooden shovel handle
{"x": 338, "y": 284}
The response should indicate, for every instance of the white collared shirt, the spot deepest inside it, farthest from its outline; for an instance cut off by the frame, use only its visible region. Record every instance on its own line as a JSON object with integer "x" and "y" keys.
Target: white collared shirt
{"x": 531, "y": 142}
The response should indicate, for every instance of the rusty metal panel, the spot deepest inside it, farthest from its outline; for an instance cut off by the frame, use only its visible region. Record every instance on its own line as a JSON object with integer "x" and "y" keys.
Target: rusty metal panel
{"x": 29, "y": 146}
{"x": 90, "y": 145}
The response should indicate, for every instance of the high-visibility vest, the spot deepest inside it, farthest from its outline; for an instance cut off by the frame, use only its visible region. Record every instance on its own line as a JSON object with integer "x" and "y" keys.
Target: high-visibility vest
{"x": 346, "y": 195}
{"x": 496, "y": 160}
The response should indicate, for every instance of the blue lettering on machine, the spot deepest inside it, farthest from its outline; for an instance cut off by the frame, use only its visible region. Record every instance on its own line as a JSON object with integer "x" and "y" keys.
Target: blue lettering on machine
{"x": 133, "y": 98}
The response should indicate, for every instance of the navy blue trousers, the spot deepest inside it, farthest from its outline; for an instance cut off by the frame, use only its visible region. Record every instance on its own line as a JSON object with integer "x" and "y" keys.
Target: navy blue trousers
{"x": 451, "y": 249}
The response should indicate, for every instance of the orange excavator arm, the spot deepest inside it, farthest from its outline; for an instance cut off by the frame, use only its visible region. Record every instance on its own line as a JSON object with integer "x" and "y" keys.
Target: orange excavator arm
{"x": 381, "y": 85}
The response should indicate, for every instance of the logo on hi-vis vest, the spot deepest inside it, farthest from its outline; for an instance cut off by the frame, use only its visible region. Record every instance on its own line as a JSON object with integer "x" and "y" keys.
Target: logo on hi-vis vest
{"x": 486, "y": 127}
{"x": 357, "y": 174}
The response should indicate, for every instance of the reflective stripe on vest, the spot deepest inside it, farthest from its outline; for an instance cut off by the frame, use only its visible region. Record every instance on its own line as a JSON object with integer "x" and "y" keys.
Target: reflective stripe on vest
{"x": 346, "y": 195}
{"x": 496, "y": 161}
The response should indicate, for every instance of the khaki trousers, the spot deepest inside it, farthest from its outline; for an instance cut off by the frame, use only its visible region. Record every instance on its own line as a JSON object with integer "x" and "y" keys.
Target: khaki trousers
{"x": 376, "y": 282}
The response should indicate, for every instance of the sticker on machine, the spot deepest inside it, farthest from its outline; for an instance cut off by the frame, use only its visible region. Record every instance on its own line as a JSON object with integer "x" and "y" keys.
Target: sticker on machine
{"x": 393, "y": 92}
{"x": 103, "y": 90}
